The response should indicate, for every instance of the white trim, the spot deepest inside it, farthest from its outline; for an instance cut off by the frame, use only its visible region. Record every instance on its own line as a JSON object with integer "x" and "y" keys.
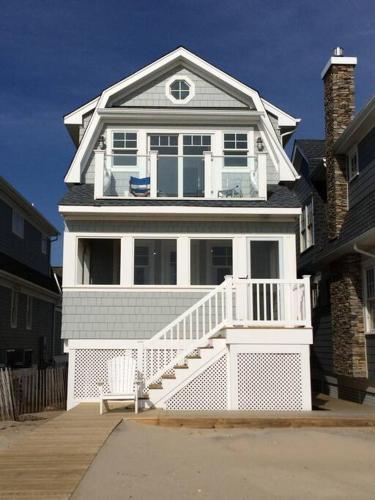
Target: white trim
{"x": 340, "y": 61}
{"x": 69, "y": 209}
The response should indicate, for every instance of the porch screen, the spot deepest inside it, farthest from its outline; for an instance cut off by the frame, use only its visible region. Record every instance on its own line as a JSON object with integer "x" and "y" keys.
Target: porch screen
{"x": 155, "y": 262}
{"x": 210, "y": 261}
{"x": 98, "y": 261}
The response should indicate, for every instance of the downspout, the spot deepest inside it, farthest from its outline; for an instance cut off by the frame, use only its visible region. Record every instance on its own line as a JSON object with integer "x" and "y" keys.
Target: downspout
{"x": 363, "y": 252}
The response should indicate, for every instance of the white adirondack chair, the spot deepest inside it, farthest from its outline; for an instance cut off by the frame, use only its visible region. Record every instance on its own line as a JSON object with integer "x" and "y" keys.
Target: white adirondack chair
{"x": 122, "y": 382}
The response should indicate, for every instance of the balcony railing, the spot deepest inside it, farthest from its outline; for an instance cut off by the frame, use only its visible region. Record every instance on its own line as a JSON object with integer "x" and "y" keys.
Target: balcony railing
{"x": 205, "y": 176}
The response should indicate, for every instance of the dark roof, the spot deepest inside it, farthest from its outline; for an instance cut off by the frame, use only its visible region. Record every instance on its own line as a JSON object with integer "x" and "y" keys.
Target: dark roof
{"x": 20, "y": 270}
{"x": 312, "y": 149}
{"x": 279, "y": 196}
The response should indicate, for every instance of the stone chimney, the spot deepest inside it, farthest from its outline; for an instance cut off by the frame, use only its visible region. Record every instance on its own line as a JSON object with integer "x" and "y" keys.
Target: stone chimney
{"x": 338, "y": 78}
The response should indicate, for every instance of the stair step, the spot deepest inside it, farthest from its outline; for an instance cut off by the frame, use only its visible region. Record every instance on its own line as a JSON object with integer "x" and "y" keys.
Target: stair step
{"x": 156, "y": 386}
{"x": 168, "y": 376}
{"x": 207, "y": 347}
{"x": 193, "y": 356}
{"x": 181, "y": 367}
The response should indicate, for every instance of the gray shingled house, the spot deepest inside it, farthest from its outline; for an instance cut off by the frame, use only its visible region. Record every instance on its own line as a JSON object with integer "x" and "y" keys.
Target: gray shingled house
{"x": 179, "y": 243}
{"x": 336, "y": 237}
{"x": 30, "y": 300}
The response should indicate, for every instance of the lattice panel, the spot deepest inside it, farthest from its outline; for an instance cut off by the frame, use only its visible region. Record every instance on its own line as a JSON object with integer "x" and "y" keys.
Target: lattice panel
{"x": 91, "y": 368}
{"x": 269, "y": 381}
{"x": 156, "y": 359}
{"x": 207, "y": 391}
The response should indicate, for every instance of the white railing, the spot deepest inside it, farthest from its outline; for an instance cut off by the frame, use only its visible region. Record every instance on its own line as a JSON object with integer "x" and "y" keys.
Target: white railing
{"x": 236, "y": 302}
{"x": 209, "y": 176}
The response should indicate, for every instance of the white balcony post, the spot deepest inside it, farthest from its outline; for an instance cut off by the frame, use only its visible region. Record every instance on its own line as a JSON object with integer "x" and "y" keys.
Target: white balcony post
{"x": 208, "y": 174}
{"x": 153, "y": 174}
{"x": 262, "y": 175}
{"x": 99, "y": 173}
{"x": 307, "y": 297}
{"x": 229, "y": 299}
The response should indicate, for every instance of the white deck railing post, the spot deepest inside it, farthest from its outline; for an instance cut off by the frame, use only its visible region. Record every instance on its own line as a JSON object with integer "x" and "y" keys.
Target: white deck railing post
{"x": 99, "y": 173}
{"x": 307, "y": 299}
{"x": 153, "y": 174}
{"x": 229, "y": 299}
{"x": 208, "y": 174}
{"x": 262, "y": 175}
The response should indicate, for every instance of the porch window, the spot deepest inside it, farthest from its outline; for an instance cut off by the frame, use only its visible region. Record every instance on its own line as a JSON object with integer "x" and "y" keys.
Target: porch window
{"x": 307, "y": 226}
{"x": 193, "y": 148}
{"x": 99, "y": 261}
{"x": 210, "y": 261}
{"x": 124, "y": 149}
{"x": 264, "y": 257}
{"x": 155, "y": 262}
{"x": 370, "y": 298}
{"x": 235, "y": 150}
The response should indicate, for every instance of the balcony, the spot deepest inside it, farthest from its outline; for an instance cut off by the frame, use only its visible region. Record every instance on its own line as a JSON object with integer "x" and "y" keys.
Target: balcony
{"x": 171, "y": 176}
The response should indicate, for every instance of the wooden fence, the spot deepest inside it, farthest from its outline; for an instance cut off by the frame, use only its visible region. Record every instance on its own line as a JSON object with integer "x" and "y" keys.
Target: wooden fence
{"x": 31, "y": 390}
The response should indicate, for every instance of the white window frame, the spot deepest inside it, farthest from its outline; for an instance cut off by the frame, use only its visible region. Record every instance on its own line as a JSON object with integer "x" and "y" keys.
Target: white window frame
{"x": 14, "y": 308}
{"x": 126, "y": 151}
{"x": 353, "y": 156}
{"x": 18, "y": 223}
{"x": 367, "y": 299}
{"x": 29, "y": 312}
{"x": 191, "y": 89}
{"x": 232, "y": 151}
{"x": 306, "y": 227}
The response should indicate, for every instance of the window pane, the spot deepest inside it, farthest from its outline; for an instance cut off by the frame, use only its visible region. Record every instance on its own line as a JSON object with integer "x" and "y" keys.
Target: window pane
{"x": 194, "y": 176}
{"x": 167, "y": 178}
{"x": 238, "y": 160}
{"x": 155, "y": 262}
{"x": 264, "y": 259}
{"x": 124, "y": 160}
{"x": 99, "y": 261}
{"x": 210, "y": 261}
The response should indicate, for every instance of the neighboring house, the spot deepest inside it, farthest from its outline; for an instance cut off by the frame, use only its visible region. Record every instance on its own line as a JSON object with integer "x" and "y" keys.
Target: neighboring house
{"x": 337, "y": 237}
{"x": 180, "y": 236}
{"x": 30, "y": 302}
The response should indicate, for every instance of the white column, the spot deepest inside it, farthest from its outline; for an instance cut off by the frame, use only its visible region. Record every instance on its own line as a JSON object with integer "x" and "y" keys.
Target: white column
{"x": 127, "y": 261}
{"x": 99, "y": 173}
{"x": 69, "y": 259}
{"x": 183, "y": 261}
{"x": 307, "y": 294}
{"x": 153, "y": 173}
{"x": 208, "y": 175}
{"x": 240, "y": 257}
{"x": 71, "y": 403}
{"x": 306, "y": 383}
{"x": 262, "y": 175}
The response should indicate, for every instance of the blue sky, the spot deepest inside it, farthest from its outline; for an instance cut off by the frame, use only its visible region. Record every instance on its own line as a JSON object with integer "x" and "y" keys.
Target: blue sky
{"x": 56, "y": 55}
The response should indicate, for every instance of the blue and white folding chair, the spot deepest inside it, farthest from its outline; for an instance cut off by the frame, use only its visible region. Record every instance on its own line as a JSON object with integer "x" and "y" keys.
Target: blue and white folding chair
{"x": 139, "y": 187}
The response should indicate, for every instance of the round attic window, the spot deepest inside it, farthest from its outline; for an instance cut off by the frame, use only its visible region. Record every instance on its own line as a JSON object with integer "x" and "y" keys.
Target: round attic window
{"x": 180, "y": 90}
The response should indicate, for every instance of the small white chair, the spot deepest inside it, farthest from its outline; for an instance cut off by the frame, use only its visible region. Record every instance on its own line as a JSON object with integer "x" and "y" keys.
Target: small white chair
{"x": 122, "y": 382}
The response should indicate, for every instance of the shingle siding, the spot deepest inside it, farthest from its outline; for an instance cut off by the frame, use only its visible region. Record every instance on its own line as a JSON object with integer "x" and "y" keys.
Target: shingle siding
{"x": 20, "y": 337}
{"x": 26, "y": 250}
{"x": 206, "y": 94}
{"x": 370, "y": 342}
{"x": 121, "y": 315}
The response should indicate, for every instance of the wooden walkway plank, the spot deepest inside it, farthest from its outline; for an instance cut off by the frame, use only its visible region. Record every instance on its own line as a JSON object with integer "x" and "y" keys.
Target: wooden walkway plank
{"x": 50, "y": 462}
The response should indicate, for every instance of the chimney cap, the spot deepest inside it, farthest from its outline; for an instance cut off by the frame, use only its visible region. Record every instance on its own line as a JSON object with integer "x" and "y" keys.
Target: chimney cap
{"x": 338, "y": 59}
{"x": 338, "y": 51}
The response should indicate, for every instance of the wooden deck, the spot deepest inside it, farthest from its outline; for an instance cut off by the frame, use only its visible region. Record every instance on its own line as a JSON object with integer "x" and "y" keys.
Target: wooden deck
{"x": 51, "y": 460}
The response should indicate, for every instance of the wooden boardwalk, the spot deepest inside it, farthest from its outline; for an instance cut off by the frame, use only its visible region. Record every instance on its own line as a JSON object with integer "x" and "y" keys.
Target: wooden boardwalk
{"x": 51, "y": 460}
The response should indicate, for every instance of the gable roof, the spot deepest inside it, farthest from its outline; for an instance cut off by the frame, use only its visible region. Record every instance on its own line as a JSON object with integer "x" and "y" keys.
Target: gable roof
{"x": 179, "y": 56}
{"x": 312, "y": 149}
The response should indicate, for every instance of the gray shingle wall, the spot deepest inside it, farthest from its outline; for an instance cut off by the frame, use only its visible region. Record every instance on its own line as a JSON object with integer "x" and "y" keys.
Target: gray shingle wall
{"x": 26, "y": 250}
{"x": 121, "y": 315}
{"x": 20, "y": 337}
{"x": 206, "y": 94}
{"x": 180, "y": 227}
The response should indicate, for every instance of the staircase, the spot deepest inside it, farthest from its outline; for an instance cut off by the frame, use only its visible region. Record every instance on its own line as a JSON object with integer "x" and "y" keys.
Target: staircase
{"x": 191, "y": 342}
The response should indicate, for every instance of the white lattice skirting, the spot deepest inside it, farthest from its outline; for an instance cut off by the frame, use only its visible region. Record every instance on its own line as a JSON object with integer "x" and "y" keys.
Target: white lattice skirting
{"x": 244, "y": 377}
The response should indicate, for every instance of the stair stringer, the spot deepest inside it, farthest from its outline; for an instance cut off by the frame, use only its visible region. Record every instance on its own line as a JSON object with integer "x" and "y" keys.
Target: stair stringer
{"x": 159, "y": 397}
